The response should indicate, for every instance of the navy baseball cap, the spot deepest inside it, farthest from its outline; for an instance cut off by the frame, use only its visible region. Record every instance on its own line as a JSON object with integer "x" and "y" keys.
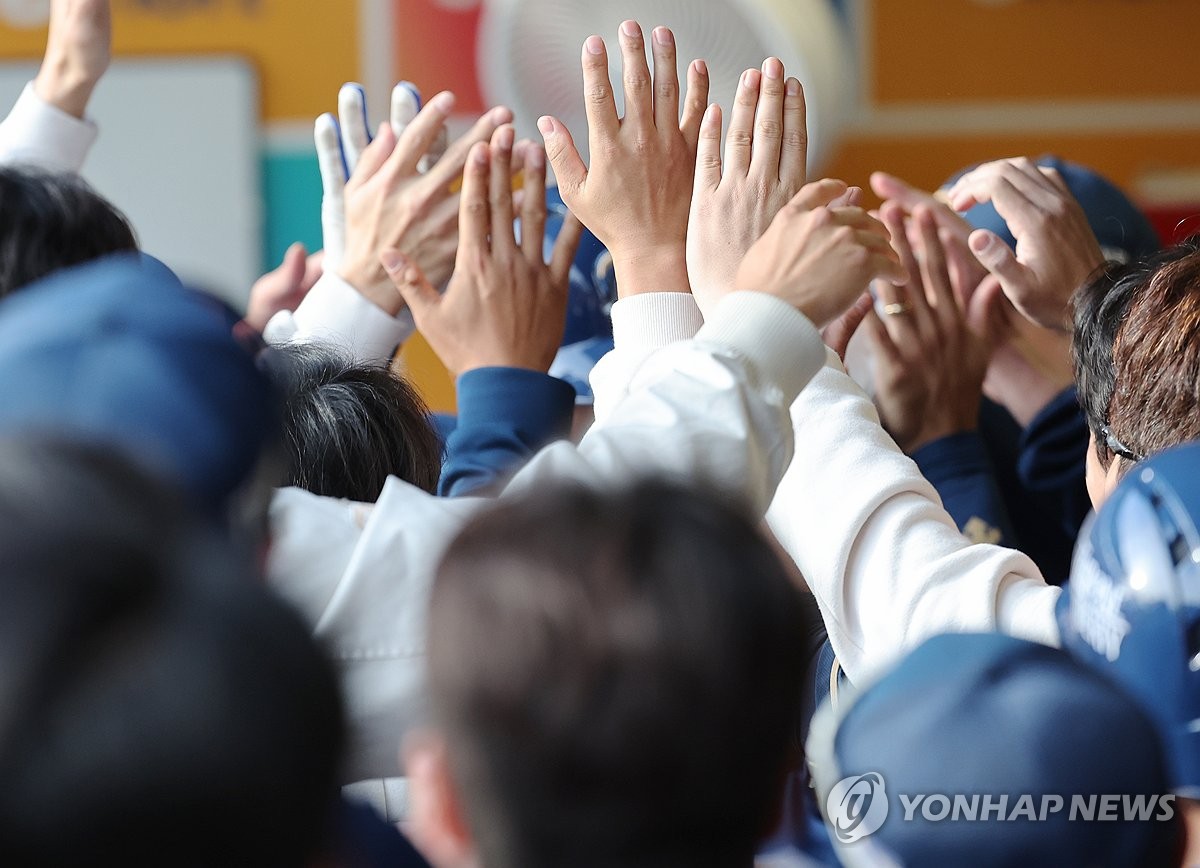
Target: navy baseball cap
{"x": 119, "y": 353}
{"x": 1121, "y": 228}
{"x": 969, "y": 716}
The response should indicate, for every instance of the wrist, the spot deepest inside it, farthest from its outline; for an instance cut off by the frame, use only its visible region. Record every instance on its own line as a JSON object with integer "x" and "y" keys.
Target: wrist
{"x": 662, "y": 269}
{"x": 65, "y": 88}
{"x": 374, "y": 286}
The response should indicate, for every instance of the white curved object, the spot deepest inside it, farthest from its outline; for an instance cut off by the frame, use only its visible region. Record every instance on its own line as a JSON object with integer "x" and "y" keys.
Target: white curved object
{"x": 529, "y": 53}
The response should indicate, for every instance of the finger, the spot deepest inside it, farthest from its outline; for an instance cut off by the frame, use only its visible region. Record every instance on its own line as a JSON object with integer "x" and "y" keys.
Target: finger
{"x": 330, "y": 158}
{"x": 295, "y": 261}
{"x": 852, "y": 198}
{"x": 889, "y": 187}
{"x": 793, "y": 163}
{"x": 500, "y": 192}
{"x": 982, "y": 313}
{"x": 374, "y": 157}
{"x": 533, "y": 206}
{"x": 406, "y": 103}
{"x": 817, "y": 194}
{"x": 420, "y": 135}
{"x": 708, "y": 151}
{"x": 352, "y": 111}
{"x": 418, "y": 293}
{"x": 449, "y": 169}
{"x": 768, "y": 123}
{"x": 740, "y": 138}
{"x": 934, "y": 272}
{"x": 639, "y": 100}
{"x": 879, "y": 329}
{"x": 998, "y": 258}
{"x": 603, "y": 124}
{"x": 474, "y": 216}
{"x": 695, "y": 103}
{"x": 569, "y": 170}
{"x": 842, "y": 330}
{"x": 892, "y": 216}
{"x": 565, "y": 248}
{"x": 666, "y": 80}
{"x": 314, "y": 268}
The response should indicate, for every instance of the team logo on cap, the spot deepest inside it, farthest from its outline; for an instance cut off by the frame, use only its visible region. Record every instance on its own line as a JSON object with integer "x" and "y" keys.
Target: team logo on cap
{"x": 857, "y": 807}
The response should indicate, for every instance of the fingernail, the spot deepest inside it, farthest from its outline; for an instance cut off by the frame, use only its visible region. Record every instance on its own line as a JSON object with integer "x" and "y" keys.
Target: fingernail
{"x": 392, "y": 261}
{"x": 504, "y": 138}
{"x": 701, "y": 67}
{"x": 535, "y": 157}
{"x": 980, "y": 242}
{"x": 710, "y": 115}
{"x": 546, "y": 126}
{"x": 793, "y": 87}
{"x": 663, "y": 36}
{"x": 631, "y": 29}
{"x": 772, "y": 68}
{"x": 501, "y": 115}
{"x": 594, "y": 45}
{"x": 750, "y": 79}
{"x": 443, "y": 102}
{"x": 480, "y": 154}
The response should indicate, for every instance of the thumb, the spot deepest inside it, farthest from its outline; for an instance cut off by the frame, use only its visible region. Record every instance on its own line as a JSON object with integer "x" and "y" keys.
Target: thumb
{"x": 997, "y": 257}
{"x": 295, "y": 264}
{"x": 982, "y": 311}
{"x": 565, "y": 249}
{"x": 406, "y": 275}
{"x": 564, "y": 157}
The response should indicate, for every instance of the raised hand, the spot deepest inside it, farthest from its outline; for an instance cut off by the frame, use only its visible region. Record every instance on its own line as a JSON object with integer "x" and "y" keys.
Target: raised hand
{"x": 819, "y": 255}
{"x": 636, "y": 194}
{"x": 765, "y": 165}
{"x": 285, "y": 287}
{"x": 391, "y": 205}
{"x": 1056, "y": 249}
{"x": 78, "y": 53}
{"x": 504, "y": 307}
{"x": 931, "y": 354}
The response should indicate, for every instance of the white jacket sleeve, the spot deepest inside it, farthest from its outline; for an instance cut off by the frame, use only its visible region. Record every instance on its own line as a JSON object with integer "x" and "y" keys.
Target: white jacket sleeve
{"x": 715, "y": 408}
{"x": 38, "y": 134}
{"x": 334, "y": 312}
{"x": 885, "y": 561}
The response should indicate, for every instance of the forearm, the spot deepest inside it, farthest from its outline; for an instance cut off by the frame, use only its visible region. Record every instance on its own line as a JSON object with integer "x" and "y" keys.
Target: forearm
{"x": 883, "y": 558}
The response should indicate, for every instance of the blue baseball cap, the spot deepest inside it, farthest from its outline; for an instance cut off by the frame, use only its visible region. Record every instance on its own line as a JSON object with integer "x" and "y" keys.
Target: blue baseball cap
{"x": 119, "y": 353}
{"x": 968, "y": 716}
{"x": 1132, "y": 606}
{"x": 1121, "y": 228}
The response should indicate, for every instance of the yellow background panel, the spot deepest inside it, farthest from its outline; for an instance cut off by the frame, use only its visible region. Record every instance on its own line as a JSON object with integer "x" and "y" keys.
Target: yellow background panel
{"x": 927, "y": 50}
{"x": 304, "y": 51}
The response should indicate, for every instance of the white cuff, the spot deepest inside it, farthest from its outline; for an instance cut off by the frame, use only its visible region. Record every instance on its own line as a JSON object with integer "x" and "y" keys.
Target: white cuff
{"x": 39, "y": 134}
{"x": 654, "y": 320}
{"x": 782, "y": 345}
{"x": 334, "y": 312}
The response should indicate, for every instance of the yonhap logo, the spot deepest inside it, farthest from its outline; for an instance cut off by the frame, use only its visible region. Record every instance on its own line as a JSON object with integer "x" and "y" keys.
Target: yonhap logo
{"x": 857, "y": 807}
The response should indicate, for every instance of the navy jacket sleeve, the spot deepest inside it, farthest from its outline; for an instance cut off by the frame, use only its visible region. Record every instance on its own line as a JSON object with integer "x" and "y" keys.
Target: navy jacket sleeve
{"x": 1053, "y": 459}
{"x": 505, "y": 415}
{"x": 960, "y": 470}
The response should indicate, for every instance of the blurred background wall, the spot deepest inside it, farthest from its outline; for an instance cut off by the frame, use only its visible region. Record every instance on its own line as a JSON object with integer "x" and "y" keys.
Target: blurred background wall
{"x": 920, "y": 88}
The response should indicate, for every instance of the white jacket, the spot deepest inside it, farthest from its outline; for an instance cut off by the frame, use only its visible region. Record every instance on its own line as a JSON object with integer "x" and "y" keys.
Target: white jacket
{"x": 714, "y": 408}
{"x": 38, "y": 134}
{"x": 884, "y": 560}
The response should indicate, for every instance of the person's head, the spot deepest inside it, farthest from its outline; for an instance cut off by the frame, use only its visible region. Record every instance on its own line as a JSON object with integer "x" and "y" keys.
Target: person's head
{"x": 157, "y": 705}
{"x": 119, "y": 353}
{"x": 349, "y": 426}
{"x": 1136, "y": 345}
{"x": 1132, "y": 606}
{"x": 986, "y": 750}
{"x": 50, "y": 221}
{"x": 615, "y": 679}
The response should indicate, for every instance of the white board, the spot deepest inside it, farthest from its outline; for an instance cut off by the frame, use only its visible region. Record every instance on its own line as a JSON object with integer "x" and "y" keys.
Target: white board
{"x": 179, "y": 154}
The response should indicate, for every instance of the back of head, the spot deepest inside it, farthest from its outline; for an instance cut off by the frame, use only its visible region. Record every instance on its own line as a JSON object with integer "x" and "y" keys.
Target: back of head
{"x": 349, "y": 426}
{"x": 157, "y": 705}
{"x": 118, "y": 353}
{"x": 1137, "y": 353}
{"x": 991, "y": 751}
{"x": 1132, "y": 606}
{"x": 617, "y": 676}
{"x": 53, "y": 221}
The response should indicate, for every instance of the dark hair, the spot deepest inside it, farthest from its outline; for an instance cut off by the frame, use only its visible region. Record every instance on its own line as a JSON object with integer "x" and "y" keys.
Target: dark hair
{"x": 157, "y": 705}
{"x": 51, "y": 221}
{"x": 617, "y": 677}
{"x": 348, "y": 426}
{"x": 1137, "y": 352}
